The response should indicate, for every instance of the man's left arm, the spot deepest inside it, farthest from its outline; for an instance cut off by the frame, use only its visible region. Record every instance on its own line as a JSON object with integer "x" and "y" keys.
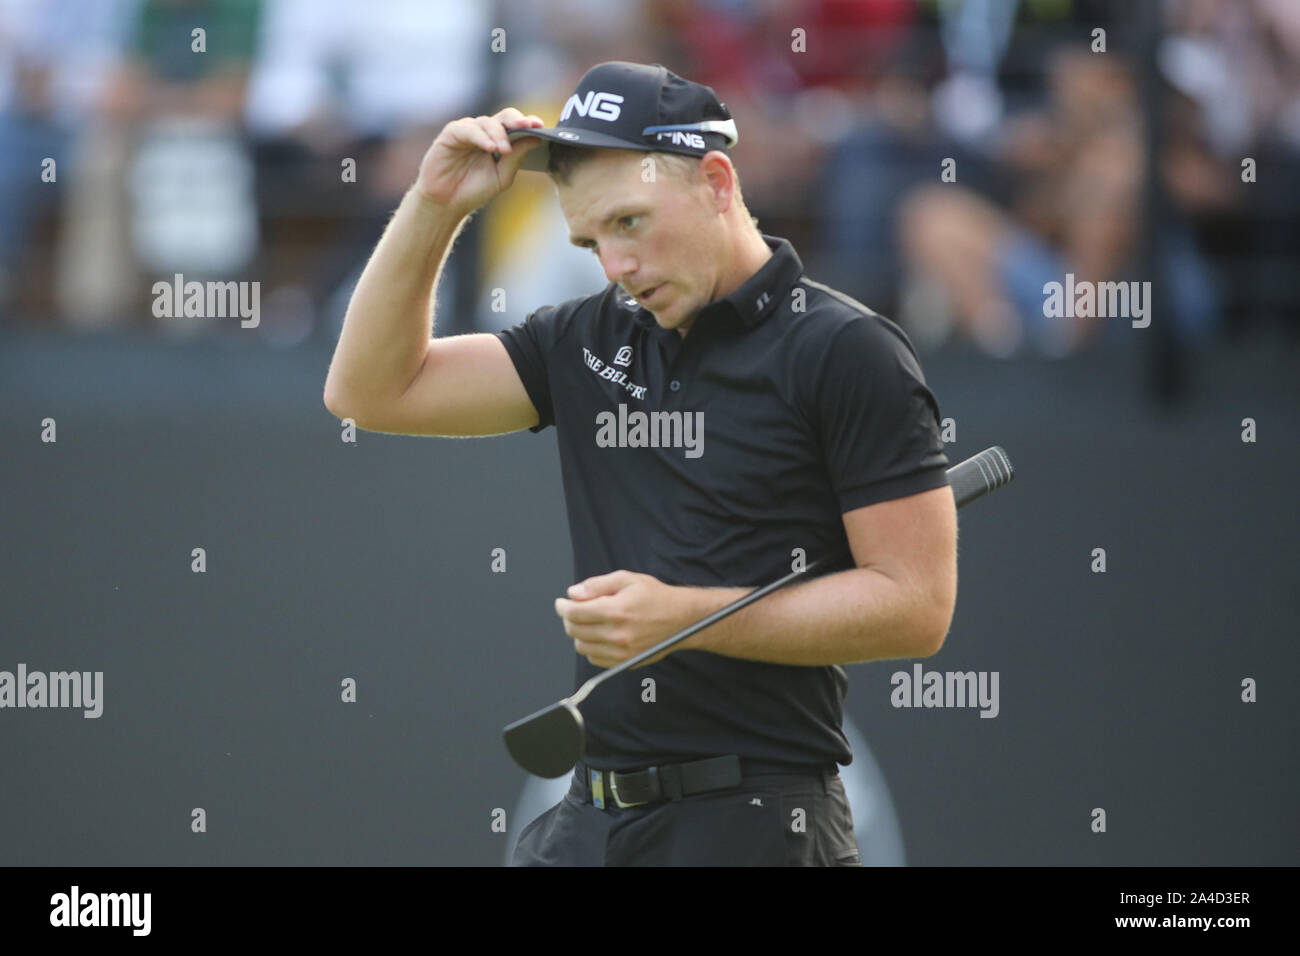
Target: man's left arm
{"x": 898, "y": 602}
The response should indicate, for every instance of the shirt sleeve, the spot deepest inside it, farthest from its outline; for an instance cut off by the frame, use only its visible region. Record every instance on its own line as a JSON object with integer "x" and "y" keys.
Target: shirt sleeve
{"x": 529, "y": 345}
{"x": 877, "y": 421}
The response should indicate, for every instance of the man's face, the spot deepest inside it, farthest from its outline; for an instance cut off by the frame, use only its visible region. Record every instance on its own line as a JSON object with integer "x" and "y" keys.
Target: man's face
{"x": 659, "y": 240}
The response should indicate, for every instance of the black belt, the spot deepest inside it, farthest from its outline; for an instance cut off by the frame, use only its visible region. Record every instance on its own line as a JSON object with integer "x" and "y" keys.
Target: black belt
{"x": 676, "y": 780}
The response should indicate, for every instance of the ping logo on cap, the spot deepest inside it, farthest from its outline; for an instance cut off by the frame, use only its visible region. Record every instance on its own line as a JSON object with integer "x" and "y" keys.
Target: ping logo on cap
{"x": 601, "y": 106}
{"x": 680, "y": 138}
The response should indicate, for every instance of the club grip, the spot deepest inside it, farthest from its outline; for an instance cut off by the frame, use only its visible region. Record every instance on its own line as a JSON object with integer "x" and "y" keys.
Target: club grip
{"x": 976, "y": 477}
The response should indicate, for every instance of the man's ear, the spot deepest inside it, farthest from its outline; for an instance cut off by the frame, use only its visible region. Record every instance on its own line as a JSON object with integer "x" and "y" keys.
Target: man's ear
{"x": 720, "y": 176}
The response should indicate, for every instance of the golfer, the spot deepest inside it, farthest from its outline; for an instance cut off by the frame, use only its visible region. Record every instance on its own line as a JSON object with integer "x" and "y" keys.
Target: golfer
{"x": 722, "y": 420}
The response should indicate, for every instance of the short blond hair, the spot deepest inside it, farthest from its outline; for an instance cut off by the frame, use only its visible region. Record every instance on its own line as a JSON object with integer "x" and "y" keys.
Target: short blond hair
{"x": 687, "y": 168}
{"x": 562, "y": 159}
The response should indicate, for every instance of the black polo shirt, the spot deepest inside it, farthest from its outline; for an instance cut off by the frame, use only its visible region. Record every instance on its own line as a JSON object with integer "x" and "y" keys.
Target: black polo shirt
{"x": 793, "y": 404}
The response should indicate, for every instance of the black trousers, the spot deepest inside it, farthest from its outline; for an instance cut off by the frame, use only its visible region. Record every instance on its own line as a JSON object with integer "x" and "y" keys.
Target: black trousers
{"x": 769, "y": 820}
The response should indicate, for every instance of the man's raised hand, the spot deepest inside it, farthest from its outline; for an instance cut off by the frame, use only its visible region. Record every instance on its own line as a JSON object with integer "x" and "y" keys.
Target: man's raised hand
{"x": 461, "y": 170}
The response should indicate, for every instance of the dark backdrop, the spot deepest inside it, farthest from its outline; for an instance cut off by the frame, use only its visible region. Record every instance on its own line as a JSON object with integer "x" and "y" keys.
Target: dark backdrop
{"x": 327, "y": 560}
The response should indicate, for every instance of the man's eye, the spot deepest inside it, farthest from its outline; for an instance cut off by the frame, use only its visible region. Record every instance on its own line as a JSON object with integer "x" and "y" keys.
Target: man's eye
{"x": 629, "y": 221}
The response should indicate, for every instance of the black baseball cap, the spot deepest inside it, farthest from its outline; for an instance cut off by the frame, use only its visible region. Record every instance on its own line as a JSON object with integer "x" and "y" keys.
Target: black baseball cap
{"x": 621, "y": 105}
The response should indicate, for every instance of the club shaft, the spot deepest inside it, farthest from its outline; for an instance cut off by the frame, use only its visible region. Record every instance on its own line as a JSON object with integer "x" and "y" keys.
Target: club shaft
{"x": 973, "y": 478}
{"x": 695, "y": 628}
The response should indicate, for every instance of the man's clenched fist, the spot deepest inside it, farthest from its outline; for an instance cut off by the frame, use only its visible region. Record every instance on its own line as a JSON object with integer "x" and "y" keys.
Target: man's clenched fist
{"x": 615, "y": 616}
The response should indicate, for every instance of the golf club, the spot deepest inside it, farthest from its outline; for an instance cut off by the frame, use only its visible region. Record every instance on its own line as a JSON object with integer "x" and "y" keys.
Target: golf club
{"x": 550, "y": 742}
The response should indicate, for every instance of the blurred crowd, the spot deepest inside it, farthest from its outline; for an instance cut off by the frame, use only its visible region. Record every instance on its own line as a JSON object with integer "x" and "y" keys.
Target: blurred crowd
{"x": 940, "y": 160}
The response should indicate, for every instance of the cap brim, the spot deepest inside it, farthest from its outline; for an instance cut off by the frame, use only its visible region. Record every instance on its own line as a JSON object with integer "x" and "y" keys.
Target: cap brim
{"x": 537, "y": 156}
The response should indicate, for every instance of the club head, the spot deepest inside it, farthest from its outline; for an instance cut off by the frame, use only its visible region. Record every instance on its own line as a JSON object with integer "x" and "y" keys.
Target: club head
{"x": 549, "y": 742}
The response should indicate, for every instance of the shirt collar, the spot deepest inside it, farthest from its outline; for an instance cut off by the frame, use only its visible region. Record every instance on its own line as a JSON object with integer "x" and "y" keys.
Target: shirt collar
{"x": 758, "y": 296}
{"x": 762, "y": 293}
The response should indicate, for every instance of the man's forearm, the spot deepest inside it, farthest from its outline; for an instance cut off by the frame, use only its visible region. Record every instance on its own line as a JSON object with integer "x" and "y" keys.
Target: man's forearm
{"x": 855, "y": 615}
{"x": 390, "y": 318}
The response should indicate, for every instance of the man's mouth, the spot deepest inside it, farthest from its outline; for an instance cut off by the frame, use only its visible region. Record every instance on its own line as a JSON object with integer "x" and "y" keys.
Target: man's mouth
{"x": 644, "y": 296}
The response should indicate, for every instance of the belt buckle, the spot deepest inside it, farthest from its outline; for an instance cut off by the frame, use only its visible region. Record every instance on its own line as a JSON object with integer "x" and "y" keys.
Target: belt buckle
{"x": 613, "y": 788}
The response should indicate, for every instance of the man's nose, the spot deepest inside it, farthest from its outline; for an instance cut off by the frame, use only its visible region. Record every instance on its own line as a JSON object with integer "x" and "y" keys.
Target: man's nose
{"x": 618, "y": 266}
